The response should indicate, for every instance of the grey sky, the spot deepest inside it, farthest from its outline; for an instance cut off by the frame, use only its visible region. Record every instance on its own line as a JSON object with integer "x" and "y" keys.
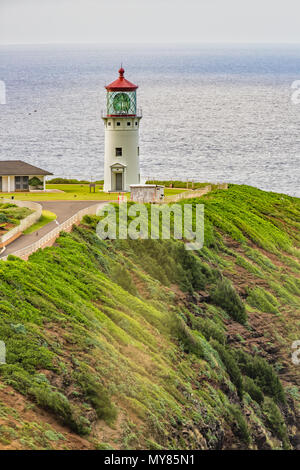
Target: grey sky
{"x": 64, "y": 21}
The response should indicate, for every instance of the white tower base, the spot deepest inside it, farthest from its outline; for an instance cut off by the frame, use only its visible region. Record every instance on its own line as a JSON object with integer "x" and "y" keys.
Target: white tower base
{"x": 121, "y": 159}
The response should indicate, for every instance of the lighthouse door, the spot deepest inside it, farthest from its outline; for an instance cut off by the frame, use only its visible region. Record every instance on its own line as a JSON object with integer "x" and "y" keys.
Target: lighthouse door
{"x": 119, "y": 185}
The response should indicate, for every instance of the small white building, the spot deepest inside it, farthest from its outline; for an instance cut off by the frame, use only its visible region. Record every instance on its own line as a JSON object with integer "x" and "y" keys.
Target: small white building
{"x": 147, "y": 193}
{"x": 16, "y": 175}
{"x": 121, "y": 123}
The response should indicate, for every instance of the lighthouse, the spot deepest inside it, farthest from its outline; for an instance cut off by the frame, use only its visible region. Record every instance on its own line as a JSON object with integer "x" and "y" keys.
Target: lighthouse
{"x": 121, "y": 123}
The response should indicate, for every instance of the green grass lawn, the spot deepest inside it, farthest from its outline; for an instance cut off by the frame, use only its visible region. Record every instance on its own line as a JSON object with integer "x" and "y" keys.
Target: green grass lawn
{"x": 171, "y": 192}
{"x": 46, "y": 217}
{"x": 74, "y": 192}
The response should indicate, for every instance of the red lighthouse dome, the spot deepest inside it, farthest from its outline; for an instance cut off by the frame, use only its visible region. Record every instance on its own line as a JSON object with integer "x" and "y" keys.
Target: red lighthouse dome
{"x": 121, "y": 84}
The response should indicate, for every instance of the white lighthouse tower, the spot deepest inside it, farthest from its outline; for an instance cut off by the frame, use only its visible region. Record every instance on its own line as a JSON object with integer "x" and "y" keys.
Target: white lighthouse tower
{"x": 121, "y": 121}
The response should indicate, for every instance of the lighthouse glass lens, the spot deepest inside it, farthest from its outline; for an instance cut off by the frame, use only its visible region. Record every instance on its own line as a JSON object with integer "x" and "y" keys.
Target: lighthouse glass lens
{"x": 121, "y": 103}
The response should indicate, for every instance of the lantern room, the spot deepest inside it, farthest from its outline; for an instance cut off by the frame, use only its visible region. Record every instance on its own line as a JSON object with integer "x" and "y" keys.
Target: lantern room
{"x": 121, "y": 97}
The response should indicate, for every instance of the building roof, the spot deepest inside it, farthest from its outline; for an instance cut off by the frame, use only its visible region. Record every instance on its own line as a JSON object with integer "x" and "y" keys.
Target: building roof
{"x": 121, "y": 84}
{"x": 19, "y": 168}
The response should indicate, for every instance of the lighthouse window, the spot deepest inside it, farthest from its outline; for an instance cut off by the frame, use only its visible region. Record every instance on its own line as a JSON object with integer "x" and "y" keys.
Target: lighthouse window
{"x": 136, "y": 123}
{"x": 118, "y": 151}
{"x": 138, "y": 151}
{"x": 118, "y": 123}
{"x": 109, "y": 123}
{"x": 128, "y": 123}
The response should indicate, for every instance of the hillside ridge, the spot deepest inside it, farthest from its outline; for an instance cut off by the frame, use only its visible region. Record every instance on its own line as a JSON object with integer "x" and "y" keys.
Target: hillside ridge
{"x": 141, "y": 344}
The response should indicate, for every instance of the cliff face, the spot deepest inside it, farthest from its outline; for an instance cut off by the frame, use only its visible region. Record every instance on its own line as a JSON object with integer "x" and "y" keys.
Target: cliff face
{"x": 144, "y": 345}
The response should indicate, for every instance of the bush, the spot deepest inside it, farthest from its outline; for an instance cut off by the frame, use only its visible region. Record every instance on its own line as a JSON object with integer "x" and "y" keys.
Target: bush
{"x": 4, "y": 218}
{"x": 185, "y": 335}
{"x": 275, "y": 421}
{"x": 253, "y": 390}
{"x": 240, "y": 427}
{"x": 262, "y": 373}
{"x": 25, "y": 352}
{"x": 41, "y": 392}
{"x": 169, "y": 262}
{"x": 95, "y": 393}
{"x": 224, "y": 295}
{"x": 70, "y": 181}
{"x": 103, "y": 446}
{"x": 90, "y": 220}
{"x": 17, "y": 377}
{"x": 194, "y": 274}
{"x": 53, "y": 401}
{"x": 35, "y": 182}
{"x": 231, "y": 366}
{"x": 59, "y": 405}
{"x": 208, "y": 328}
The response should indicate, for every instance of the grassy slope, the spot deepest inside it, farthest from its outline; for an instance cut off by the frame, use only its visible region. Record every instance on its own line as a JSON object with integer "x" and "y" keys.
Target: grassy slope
{"x": 130, "y": 344}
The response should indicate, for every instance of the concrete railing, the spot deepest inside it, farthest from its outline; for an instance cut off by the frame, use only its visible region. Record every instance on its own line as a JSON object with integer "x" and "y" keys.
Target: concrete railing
{"x": 49, "y": 238}
{"x": 24, "y": 223}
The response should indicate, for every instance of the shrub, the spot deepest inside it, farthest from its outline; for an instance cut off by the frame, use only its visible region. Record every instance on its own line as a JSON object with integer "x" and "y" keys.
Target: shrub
{"x": 194, "y": 275}
{"x": 35, "y": 182}
{"x": 67, "y": 181}
{"x": 7, "y": 205}
{"x": 224, "y": 295}
{"x": 59, "y": 405}
{"x": 262, "y": 373}
{"x": 208, "y": 328}
{"x": 17, "y": 377}
{"x": 253, "y": 390}
{"x": 28, "y": 354}
{"x": 4, "y": 218}
{"x": 231, "y": 366}
{"x": 41, "y": 392}
{"x": 275, "y": 421}
{"x": 240, "y": 427}
{"x": 95, "y": 393}
{"x": 53, "y": 401}
{"x": 90, "y": 219}
{"x": 103, "y": 446}
{"x": 169, "y": 262}
{"x": 185, "y": 335}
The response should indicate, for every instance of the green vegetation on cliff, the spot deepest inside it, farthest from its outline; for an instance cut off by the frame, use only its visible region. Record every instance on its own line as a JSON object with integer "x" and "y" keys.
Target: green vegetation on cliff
{"x": 143, "y": 344}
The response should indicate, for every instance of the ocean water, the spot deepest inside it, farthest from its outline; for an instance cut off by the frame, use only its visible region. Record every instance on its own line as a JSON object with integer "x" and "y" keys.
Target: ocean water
{"x": 210, "y": 113}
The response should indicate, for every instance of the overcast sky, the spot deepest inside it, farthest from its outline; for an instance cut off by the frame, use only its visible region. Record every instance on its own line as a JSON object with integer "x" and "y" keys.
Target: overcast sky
{"x": 81, "y": 21}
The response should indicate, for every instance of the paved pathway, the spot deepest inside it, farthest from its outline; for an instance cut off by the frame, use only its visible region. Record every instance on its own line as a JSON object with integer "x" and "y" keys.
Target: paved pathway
{"x": 63, "y": 209}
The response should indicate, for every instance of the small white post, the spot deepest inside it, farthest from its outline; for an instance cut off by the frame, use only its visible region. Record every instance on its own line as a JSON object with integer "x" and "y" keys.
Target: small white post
{"x": 44, "y": 183}
{"x": 2, "y": 353}
{"x": 8, "y": 184}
